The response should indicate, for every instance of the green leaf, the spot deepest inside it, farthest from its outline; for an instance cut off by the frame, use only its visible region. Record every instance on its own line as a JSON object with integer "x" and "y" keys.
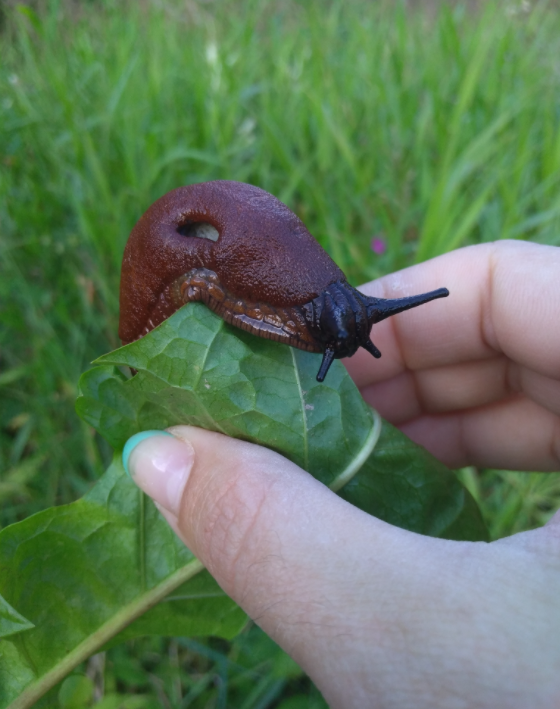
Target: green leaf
{"x": 11, "y": 622}
{"x": 195, "y": 369}
{"x": 401, "y": 483}
{"x": 91, "y": 572}
{"x": 76, "y": 692}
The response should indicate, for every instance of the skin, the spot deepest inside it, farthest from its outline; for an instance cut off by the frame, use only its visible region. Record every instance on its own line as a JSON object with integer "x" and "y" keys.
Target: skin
{"x": 377, "y": 616}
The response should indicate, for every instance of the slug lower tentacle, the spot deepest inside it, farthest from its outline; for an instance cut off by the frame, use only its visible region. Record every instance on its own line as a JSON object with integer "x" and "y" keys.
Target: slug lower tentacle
{"x": 251, "y": 260}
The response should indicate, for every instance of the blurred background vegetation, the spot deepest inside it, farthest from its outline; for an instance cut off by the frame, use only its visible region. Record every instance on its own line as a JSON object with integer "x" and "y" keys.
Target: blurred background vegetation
{"x": 396, "y": 130}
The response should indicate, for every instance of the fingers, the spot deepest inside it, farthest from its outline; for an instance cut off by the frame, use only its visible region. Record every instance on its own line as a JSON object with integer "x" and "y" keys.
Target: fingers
{"x": 459, "y": 387}
{"x": 504, "y": 299}
{"x": 453, "y": 387}
{"x": 515, "y": 434}
{"x": 491, "y": 413}
{"x": 451, "y": 369}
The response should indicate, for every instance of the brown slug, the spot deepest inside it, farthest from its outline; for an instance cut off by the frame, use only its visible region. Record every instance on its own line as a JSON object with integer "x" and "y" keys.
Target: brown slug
{"x": 251, "y": 260}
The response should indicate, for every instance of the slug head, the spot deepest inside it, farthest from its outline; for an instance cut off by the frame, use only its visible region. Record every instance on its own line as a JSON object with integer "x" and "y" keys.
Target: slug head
{"x": 341, "y": 318}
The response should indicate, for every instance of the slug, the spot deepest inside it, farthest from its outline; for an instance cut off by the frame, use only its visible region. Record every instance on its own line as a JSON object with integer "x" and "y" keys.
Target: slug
{"x": 252, "y": 261}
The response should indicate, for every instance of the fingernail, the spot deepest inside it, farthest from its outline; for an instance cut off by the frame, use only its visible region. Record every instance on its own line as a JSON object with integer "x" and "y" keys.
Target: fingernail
{"x": 133, "y": 441}
{"x": 160, "y": 465}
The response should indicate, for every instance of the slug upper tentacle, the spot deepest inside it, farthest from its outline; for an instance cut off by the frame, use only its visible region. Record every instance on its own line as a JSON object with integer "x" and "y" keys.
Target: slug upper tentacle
{"x": 251, "y": 260}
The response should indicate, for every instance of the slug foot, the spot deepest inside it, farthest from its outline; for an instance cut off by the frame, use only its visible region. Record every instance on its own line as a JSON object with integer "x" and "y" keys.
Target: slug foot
{"x": 287, "y": 325}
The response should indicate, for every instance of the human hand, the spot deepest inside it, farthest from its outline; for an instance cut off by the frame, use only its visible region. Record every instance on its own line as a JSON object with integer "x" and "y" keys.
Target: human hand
{"x": 474, "y": 378}
{"x": 377, "y": 616}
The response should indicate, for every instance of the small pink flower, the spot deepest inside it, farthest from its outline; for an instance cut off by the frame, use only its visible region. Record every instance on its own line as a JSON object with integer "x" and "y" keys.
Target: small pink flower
{"x": 378, "y": 245}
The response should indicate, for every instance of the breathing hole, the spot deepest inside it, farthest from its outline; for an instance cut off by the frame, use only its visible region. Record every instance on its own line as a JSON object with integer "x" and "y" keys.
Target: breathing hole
{"x": 202, "y": 230}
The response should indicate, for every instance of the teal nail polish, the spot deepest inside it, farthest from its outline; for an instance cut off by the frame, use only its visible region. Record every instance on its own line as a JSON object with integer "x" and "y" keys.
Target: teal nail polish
{"x": 133, "y": 441}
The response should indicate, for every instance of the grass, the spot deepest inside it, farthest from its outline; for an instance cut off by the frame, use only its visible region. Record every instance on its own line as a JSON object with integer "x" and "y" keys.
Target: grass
{"x": 428, "y": 130}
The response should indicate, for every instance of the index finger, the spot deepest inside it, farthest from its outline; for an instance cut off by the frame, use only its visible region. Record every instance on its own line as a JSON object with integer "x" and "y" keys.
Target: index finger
{"x": 504, "y": 299}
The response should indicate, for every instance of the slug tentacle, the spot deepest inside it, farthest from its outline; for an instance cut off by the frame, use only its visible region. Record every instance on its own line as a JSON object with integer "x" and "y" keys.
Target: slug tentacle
{"x": 372, "y": 349}
{"x": 328, "y": 358}
{"x": 379, "y": 309}
{"x": 246, "y": 256}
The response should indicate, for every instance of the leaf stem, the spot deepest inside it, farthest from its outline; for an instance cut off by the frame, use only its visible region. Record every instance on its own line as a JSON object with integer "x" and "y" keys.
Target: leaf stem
{"x": 303, "y": 410}
{"x": 142, "y": 535}
{"x": 365, "y": 451}
{"x": 96, "y": 640}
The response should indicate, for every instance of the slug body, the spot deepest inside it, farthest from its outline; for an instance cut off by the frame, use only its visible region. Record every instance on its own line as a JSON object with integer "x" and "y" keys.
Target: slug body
{"x": 251, "y": 260}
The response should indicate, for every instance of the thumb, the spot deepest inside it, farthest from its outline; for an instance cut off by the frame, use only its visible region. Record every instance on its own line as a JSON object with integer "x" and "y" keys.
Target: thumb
{"x": 280, "y": 543}
{"x": 236, "y": 504}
